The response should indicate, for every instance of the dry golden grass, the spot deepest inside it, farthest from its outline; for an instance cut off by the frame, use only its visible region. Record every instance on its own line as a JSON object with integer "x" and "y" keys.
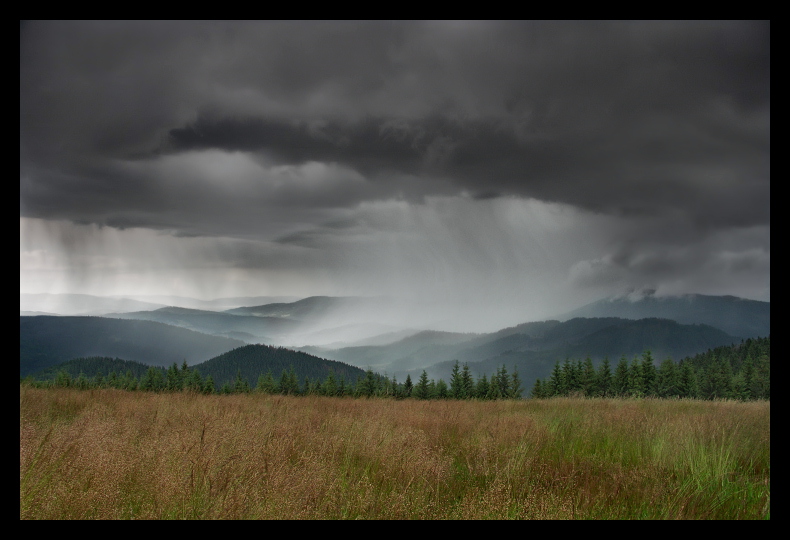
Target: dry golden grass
{"x": 110, "y": 454}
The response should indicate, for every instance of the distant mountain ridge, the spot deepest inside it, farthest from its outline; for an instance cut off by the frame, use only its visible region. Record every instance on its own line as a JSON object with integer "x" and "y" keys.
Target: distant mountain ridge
{"x": 80, "y": 304}
{"x": 532, "y": 347}
{"x": 736, "y": 316}
{"x": 45, "y": 341}
{"x": 261, "y": 329}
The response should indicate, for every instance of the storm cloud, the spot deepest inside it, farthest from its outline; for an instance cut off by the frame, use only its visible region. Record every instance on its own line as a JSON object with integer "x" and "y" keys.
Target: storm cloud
{"x": 551, "y": 158}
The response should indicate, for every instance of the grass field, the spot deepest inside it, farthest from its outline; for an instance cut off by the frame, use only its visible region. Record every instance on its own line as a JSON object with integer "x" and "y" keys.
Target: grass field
{"x": 111, "y": 454}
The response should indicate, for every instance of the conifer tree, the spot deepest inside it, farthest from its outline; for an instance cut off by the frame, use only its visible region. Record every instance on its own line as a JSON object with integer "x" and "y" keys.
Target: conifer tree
{"x": 173, "y": 379}
{"x": 456, "y": 386}
{"x": 330, "y": 385}
{"x": 442, "y": 392}
{"x": 240, "y": 385}
{"x": 537, "y": 390}
{"x": 81, "y": 381}
{"x": 503, "y": 381}
{"x": 622, "y": 376}
{"x": 556, "y": 383}
{"x": 431, "y": 389}
{"x": 152, "y": 381}
{"x": 421, "y": 390}
{"x": 648, "y": 374}
{"x": 604, "y": 379}
{"x": 208, "y": 385}
{"x": 408, "y": 387}
{"x": 195, "y": 381}
{"x": 467, "y": 383}
{"x": 570, "y": 377}
{"x": 369, "y": 384}
{"x": 482, "y": 388}
{"x": 130, "y": 382}
{"x": 62, "y": 379}
{"x": 687, "y": 381}
{"x": 515, "y": 389}
{"x": 667, "y": 379}
{"x": 636, "y": 383}
{"x": 587, "y": 377}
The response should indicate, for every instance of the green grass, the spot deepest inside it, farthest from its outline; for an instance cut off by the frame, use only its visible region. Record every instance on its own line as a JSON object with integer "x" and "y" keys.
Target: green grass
{"x": 110, "y": 454}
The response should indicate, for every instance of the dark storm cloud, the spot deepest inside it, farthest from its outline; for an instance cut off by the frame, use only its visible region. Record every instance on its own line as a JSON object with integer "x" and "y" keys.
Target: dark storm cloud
{"x": 578, "y": 156}
{"x": 615, "y": 117}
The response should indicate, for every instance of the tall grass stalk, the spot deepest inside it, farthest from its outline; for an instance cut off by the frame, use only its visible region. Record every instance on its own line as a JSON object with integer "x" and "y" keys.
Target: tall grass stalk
{"x": 111, "y": 454}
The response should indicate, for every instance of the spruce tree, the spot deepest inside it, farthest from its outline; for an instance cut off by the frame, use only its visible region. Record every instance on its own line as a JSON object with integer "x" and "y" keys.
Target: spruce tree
{"x": 603, "y": 379}
{"x": 636, "y": 382}
{"x": 456, "y": 386}
{"x": 209, "y": 386}
{"x": 667, "y": 379}
{"x": 195, "y": 381}
{"x": 687, "y": 381}
{"x": 173, "y": 378}
{"x": 537, "y": 390}
{"x": 515, "y": 389}
{"x": 587, "y": 377}
{"x": 421, "y": 390}
{"x": 570, "y": 376}
{"x": 441, "y": 390}
{"x": 482, "y": 387}
{"x": 503, "y": 381}
{"x": 240, "y": 384}
{"x": 556, "y": 384}
{"x": 330, "y": 385}
{"x": 408, "y": 387}
{"x": 648, "y": 374}
{"x": 62, "y": 379}
{"x": 467, "y": 383}
{"x": 622, "y": 378}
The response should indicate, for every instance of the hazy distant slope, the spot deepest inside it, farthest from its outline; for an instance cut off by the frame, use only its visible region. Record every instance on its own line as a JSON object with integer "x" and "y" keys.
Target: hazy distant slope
{"x": 404, "y": 354}
{"x": 217, "y": 304}
{"x": 45, "y": 341}
{"x": 80, "y": 304}
{"x": 313, "y": 308}
{"x": 736, "y": 316}
{"x": 213, "y": 322}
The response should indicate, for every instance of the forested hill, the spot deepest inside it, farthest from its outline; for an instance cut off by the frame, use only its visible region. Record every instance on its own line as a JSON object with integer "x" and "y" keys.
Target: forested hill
{"x": 736, "y": 316}
{"x": 596, "y": 338}
{"x": 252, "y": 361}
{"x": 45, "y": 341}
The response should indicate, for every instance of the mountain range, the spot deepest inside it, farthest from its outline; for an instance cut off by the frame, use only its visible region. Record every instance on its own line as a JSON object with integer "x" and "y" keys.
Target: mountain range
{"x": 737, "y": 316}
{"x": 45, "y": 341}
{"x": 362, "y": 332}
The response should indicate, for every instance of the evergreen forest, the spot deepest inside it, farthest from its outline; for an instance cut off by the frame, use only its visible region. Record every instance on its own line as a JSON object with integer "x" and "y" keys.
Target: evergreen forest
{"x": 740, "y": 372}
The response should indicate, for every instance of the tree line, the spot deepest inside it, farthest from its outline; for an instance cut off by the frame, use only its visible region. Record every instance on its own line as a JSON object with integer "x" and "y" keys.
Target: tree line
{"x": 731, "y": 372}
{"x": 462, "y": 384}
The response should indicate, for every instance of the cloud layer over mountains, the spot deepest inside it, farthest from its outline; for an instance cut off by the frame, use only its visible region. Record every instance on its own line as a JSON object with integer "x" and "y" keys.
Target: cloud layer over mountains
{"x": 532, "y": 166}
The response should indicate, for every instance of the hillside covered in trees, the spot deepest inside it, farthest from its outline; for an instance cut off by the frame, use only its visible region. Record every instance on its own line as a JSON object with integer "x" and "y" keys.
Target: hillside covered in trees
{"x": 45, "y": 341}
{"x": 741, "y": 371}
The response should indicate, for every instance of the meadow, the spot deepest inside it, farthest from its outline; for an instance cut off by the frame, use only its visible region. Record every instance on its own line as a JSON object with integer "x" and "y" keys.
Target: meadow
{"x": 113, "y": 454}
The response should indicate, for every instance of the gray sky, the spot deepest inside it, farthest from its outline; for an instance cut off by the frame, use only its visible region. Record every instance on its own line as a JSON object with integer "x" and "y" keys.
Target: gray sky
{"x": 519, "y": 168}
